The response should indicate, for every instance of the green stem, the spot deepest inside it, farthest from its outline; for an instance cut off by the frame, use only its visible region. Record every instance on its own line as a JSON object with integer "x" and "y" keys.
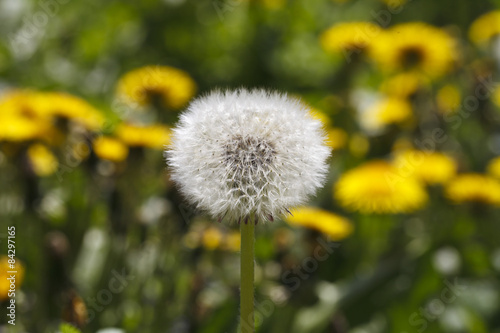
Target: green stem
{"x": 247, "y": 275}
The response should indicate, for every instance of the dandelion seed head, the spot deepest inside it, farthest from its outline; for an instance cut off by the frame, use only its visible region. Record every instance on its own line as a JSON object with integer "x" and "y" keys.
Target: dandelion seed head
{"x": 241, "y": 153}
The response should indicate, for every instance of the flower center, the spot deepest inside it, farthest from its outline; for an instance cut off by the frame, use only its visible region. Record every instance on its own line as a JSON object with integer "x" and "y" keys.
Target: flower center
{"x": 249, "y": 169}
{"x": 248, "y": 154}
{"x": 411, "y": 57}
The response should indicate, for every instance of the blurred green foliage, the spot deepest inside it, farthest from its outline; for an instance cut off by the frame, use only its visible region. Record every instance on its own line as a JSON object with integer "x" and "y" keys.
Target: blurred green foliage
{"x": 107, "y": 242}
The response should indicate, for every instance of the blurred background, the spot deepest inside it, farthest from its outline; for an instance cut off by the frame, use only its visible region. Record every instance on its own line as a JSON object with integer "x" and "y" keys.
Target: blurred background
{"x": 404, "y": 237}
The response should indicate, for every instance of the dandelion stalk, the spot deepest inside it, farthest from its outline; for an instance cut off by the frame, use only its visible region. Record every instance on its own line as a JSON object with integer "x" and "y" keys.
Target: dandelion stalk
{"x": 247, "y": 275}
{"x": 247, "y": 156}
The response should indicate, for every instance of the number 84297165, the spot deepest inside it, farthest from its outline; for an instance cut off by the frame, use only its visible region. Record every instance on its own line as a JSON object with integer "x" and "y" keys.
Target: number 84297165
{"x": 11, "y": 245}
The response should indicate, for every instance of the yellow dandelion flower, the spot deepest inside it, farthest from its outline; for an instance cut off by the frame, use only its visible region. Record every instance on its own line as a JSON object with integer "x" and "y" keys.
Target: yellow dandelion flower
{"x": 19, "y": 103}
{"x": 377, "y": 187}
{"x": 337, "y": 138}
{"x": 331, "y": 224}
{"x": 108, "y": 148}
{"x": 58, "y": 104}
{"x": 494, "y": 167}
{"x": 391, "y": 111}
{"x": 4, "y": 283}
{"x": 151, "y": 136}
{"x": 415, "y": 46}
{"x": 496, "y": 96}
{"x": 430, "y": 167}
{"x": 321, "y": 116}
{"x": 41, "y": 159}
{"x": 211, "y": 238}
{"x": 485, "y": 27}
{"x": 232, "y": 241}
{"x": 174, "y": 86}
{"x": 44, "y": 106}
{"x": 474, "y": 187}
{"x": 448, "y": 98}
{"x": 20, "y": 119}
{"x": 384, "y": 112}
{"x": 349, "y": 37}
{"x": 15, "y": 128}
{"x": 403, "y": 85}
